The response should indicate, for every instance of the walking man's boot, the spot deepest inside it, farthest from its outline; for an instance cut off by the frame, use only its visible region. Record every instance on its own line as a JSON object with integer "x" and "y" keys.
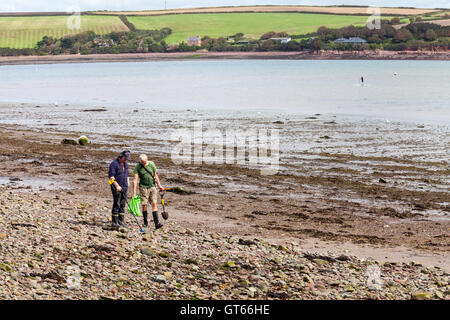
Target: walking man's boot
{"x": 122, "y": 221}
{"x": 115, "y": 221}
{"x": 145, "y": 214}
{"x": 156, "y": 220}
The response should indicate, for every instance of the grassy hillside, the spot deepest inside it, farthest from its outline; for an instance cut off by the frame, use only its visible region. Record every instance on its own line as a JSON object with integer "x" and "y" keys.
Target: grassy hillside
{"x": 273, "y": 8}
{"x": 252, "y": 25}
{"x": 25, "y": 32}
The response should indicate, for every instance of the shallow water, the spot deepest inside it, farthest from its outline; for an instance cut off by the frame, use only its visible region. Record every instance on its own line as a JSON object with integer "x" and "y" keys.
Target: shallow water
{"x": 33, "y": 183}
{"x": 318, "y": 107}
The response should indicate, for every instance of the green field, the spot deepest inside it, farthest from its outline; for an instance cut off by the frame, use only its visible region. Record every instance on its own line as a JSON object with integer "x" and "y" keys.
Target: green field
{"x": 25, "y": 32}
{"x": 252, "y": 25}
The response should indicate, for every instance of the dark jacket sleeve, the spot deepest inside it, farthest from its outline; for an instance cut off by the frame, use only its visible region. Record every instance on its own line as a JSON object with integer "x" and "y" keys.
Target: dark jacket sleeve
{"x": 112, "y": 170}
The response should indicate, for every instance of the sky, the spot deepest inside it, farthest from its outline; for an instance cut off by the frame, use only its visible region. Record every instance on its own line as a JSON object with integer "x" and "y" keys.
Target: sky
{"x": 85, "y": 5}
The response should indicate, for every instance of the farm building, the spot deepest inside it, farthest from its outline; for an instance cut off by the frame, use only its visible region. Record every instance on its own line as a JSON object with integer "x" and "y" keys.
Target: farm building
{"x": 194, "y": 41}
{"x": 353, "y": 40}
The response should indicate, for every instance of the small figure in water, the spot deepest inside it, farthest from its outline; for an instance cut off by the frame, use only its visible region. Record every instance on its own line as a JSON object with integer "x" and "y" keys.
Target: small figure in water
{"x": 362, "y": 80}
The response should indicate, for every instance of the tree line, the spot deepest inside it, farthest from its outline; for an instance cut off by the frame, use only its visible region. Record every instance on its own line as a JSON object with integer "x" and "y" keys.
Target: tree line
{"x": 414, "y": 36}
{"x": 138, "y": 41}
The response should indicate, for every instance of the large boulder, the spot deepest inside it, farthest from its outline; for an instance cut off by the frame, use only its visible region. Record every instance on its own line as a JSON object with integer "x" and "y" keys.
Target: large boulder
{"x": 69, "y": 141}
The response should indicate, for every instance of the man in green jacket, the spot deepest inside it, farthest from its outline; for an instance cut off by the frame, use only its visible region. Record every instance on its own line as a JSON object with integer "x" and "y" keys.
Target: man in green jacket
{"x": 148, "y": 180}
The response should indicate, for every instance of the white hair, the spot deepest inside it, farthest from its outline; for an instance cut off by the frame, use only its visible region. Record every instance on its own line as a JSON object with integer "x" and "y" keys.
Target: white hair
{"x": 143, "y": 157}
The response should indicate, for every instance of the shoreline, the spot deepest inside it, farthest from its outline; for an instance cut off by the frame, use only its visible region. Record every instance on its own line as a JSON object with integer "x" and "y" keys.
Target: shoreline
{"x": 214, "y": 245}
{"x": 284, "y": 55}
{"x": 318, "y": 228}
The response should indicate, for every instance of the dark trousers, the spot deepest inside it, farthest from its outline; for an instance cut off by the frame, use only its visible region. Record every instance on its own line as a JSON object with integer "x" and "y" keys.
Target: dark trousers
{"x": 119, "y": 201}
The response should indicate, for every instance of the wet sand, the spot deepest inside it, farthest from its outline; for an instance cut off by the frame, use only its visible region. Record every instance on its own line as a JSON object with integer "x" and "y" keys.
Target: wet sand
{"x": 357, "y": 215}
{"x": 321, "y": 55}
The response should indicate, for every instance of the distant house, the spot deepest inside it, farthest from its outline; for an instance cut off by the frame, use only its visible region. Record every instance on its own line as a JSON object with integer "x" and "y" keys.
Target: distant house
{"x": 352, "y": 40}
{"x": 194, "y": 41}
{"x": 99, "y": 42}
{"x": 281, "y": 40}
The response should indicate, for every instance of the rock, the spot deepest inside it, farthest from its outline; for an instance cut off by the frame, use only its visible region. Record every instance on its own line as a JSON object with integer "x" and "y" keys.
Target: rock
{"x": 320, "y": 261}
{"x": 246, "y": 242}
{"x": 251, "y": 291}
{"x": 421, "y": 295}
{"x": 308, "y": 279}
{"x": 243, "y": 283}
{"x": 190, "y": 232}
{"x": 229, "y": 264}
{"x": 382, "y": 180}
{"x": 164, "y": 255}
{"x": 147, "y": 237}
{"x": 69, "y": 141}
{"x": 2, "y": 236}
{"x": 160, "y": 278}
{"x": 168, "y": 275}
{"x": 147, "y": 251}
{"x": 195, "y": 268}
{"x": 190, "y": 261}
{"x": 303, "y": 269}
{"x": 334, "y": 283}
{"x": 5, "y": 267}
{"x": 83, "y": 140}
{"x": 349, "y": 288}
{"x": 283, "y": 248}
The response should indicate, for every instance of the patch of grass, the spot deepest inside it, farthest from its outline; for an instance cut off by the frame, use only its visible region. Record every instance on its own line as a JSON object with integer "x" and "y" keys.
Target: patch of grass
{"x": 362, "y": 10}
{"x": 252, "y": 25}
{"x": 25, "y": 32}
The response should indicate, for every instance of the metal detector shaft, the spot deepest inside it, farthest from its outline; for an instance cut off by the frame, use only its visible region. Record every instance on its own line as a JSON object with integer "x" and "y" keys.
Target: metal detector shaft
{"x": 141, "y": 229}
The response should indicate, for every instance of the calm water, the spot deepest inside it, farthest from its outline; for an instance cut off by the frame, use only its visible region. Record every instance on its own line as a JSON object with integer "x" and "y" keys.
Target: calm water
{"x": 420, "y": 91}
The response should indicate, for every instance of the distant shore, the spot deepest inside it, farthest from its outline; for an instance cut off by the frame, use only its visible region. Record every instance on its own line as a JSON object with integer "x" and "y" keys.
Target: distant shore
{"x": 321, "y": 55}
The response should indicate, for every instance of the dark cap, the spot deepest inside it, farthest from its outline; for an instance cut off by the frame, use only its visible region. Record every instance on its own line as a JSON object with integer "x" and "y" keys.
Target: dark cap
{"x": 126, "y": 154}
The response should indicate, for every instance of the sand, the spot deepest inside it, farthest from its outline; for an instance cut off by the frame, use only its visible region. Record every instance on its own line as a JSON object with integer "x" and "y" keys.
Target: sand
{"x": 237, "y": 201}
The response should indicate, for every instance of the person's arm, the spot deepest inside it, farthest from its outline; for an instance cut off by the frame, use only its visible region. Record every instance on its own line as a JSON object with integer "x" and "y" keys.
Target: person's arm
{"x": 112, "y": 175}
{"x": 158, "y": 183}
{"x": 135, "y": 181}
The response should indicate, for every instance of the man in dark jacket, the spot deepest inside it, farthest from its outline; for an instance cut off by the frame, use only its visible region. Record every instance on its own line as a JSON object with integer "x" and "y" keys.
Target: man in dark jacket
{"x": 118, "y": 175}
